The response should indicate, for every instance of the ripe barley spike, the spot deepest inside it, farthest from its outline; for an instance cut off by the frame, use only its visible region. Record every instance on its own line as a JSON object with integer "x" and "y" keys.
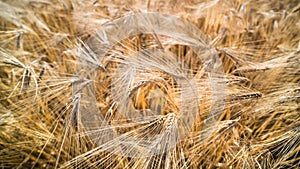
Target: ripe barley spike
{"x": 160, "y": 84}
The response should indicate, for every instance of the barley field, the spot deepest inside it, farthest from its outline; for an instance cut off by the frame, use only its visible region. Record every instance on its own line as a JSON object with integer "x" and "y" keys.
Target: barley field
{"x": 151, "y": 84}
